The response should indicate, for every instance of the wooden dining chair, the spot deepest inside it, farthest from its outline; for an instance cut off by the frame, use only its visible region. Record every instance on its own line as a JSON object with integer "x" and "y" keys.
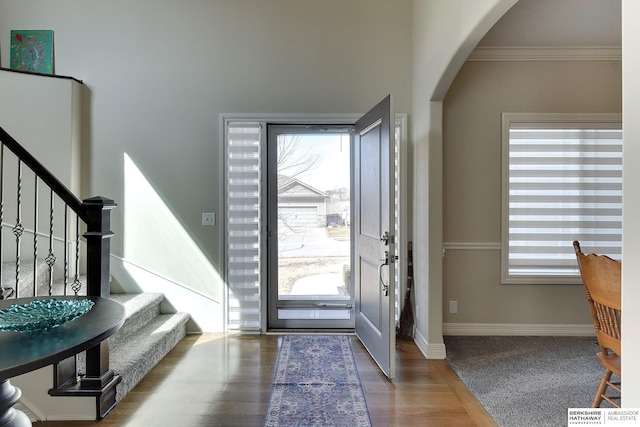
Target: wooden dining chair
{"x": 601, "y": 279}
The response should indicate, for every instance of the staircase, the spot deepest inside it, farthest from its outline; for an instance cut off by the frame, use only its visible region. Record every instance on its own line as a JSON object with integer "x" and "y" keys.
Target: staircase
{"x": 74, "y": 235}
{"x": 146, "y": 336}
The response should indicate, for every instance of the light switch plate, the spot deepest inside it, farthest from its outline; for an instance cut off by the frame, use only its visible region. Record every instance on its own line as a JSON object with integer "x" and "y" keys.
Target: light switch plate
{"x": 209, "y": 218}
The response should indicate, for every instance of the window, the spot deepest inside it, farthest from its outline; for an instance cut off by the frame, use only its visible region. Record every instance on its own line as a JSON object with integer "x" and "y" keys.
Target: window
{"x": 562, "y": 181}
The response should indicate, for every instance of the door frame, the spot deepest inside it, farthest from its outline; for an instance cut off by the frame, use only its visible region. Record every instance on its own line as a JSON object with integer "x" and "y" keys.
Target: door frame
{"x": 337, "y": 119}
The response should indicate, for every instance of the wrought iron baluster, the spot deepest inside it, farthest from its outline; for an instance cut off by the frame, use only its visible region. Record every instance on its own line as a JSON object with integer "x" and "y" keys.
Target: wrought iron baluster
{"x": 18, "y": 229}
{"x": 66, "y": 249}
{"x": 75, "y": 286}
{"x": 35, "y": 236}
{"x": 4, "y": 292}
{"x": 51, "y": 258}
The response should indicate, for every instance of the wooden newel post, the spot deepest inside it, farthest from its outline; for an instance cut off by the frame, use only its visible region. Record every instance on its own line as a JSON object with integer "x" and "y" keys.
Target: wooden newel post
{"x": 99, "y": 378}
{"x": 99, "y": 381}
{"x": 98, "y": 238}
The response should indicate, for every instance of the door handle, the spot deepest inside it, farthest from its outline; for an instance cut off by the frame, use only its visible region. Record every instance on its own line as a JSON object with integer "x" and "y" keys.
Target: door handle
{"x": 385, "y": 261}
{"x": 385, "y": 287}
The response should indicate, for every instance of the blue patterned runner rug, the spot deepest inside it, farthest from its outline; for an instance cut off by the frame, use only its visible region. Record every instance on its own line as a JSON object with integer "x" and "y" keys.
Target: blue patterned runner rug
{"x": 316, "y": 383}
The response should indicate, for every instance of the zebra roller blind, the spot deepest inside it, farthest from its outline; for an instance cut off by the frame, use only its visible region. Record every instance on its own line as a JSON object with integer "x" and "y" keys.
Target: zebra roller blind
{"x": 562, "y": 181}
{"x": 243, "y": 189}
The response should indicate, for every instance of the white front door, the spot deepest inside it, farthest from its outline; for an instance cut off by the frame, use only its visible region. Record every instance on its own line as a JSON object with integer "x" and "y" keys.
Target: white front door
{"x": 373, "y": 229}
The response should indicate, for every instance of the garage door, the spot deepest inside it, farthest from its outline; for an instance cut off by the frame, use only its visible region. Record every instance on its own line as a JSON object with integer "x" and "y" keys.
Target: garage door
{"x": 298, "y": 217}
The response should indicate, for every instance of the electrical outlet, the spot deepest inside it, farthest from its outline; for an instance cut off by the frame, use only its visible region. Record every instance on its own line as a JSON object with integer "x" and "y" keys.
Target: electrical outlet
{"x": 453, "y": 307}
{"x": 417, "y": 312}
{"x": 208, "y": 219}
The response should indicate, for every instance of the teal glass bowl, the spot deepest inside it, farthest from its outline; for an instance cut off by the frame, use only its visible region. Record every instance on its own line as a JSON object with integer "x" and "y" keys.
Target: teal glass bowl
{"x": 42, "y": 314}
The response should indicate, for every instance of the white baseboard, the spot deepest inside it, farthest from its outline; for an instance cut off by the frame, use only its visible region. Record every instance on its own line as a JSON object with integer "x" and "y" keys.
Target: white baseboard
{"x": 429, "y": 350}
{"x": 517, "y": 329}
{"x": 439, "y": 351}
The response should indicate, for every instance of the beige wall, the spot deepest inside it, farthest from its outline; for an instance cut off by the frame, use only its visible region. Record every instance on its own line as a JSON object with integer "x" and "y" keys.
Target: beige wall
{"x": 444, "y": 33}
{"x": 472, "y": 181}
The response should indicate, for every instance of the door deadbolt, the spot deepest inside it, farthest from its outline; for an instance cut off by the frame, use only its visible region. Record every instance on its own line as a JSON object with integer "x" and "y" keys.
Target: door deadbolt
{"x": 385, "y": 238}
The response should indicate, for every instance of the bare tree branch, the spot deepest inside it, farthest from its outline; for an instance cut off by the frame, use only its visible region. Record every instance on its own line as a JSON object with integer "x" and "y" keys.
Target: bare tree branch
{"x": 293, "y": 160}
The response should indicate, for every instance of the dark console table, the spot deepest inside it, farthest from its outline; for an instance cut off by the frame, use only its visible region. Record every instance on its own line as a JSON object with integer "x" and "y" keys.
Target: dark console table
{"x": 22, "y": 352}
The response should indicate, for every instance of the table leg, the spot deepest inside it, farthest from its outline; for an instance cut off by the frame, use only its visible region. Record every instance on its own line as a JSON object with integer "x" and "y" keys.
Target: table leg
{"x": 9, "y": 416}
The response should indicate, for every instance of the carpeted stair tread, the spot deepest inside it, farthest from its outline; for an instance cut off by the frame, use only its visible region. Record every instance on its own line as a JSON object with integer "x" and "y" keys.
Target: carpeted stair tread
{"x": 135, "y": 302}
{"x": 139, "y": 309}
{"x": 58, "y": 286}
{"x": 25, "y": 277}
{"x": 25, "y": 282}
{"x": 136, "y": 356}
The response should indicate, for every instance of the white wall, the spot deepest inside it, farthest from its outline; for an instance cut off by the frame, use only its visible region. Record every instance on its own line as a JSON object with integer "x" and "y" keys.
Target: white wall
{"x": 44, "y": 115}
{"x": 631, "y": 203}
{"x": 160, "y": 73}
{"x": 45, "y": 109}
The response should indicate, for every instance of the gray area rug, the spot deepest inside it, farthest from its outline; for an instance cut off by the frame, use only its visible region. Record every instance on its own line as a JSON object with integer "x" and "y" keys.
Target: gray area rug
{"x": 527, "y": 381}
{"x": 316, "y": 383}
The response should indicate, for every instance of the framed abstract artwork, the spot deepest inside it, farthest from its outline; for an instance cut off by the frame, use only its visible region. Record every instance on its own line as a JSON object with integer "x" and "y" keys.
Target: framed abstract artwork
{"x": 32, "y": 50}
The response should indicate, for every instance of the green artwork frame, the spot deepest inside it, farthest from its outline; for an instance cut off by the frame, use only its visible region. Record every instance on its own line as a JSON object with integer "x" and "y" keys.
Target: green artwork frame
{"x": 32, "y": 51}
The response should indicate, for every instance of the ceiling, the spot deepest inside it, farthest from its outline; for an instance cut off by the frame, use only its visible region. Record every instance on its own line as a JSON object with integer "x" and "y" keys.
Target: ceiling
{"x": 551, "y": 23}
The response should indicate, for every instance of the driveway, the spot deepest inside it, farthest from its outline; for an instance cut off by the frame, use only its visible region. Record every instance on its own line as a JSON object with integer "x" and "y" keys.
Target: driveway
{"x": 310, "y": 242}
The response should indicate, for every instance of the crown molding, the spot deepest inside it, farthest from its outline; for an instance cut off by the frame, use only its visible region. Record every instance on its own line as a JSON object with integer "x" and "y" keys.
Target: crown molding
{"x": 551, "y": 53}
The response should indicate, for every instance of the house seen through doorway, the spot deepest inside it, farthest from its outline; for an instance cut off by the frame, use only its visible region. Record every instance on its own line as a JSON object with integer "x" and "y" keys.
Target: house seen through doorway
{"x": 309, "y": 227}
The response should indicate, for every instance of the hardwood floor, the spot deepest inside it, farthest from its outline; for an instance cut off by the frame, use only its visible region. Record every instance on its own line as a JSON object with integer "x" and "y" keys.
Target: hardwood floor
{"x": 225, "y": 380}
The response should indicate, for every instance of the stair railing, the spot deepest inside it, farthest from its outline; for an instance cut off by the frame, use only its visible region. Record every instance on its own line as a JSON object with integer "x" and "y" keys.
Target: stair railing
{"x": 91, "y": 215}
